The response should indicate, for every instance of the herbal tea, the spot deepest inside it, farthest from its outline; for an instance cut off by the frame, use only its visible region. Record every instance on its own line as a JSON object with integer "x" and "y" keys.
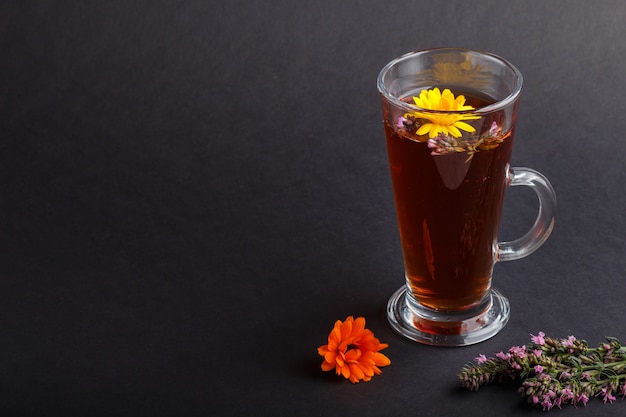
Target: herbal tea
{"x": 448, "y": 192}
{"x": 449, "y": 116}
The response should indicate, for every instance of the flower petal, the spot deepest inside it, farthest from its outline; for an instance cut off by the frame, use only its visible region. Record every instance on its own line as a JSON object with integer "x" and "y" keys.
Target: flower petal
{"x": 354, "y": 379}
{"x": 359, "y": 326}
{"x": 464, "y": 126}
{"x": 339, "y": 360}
{"x": 435, "y": 130}
{"x": 425, "y": 128}
{"x": 335, "y": 333}
{"x": 381, "y": 360}
{"x": 454, "y": 131}
{"x": 353, "y": 355}
{"x": 345, "y": 371}
{"x": 346, "y": 328}
{"x": 332, "y": 345}
{"x": 356, "y": 371}
{"x": 327, "y": 366}
{"x": 367, "y": 370}
{"x": 434, "y": 96}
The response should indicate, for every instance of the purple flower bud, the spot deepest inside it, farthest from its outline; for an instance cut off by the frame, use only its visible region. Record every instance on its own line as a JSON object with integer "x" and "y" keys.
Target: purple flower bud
{"x": 569, "y": 342}
{"x": 606, "y": 393}
{"x": 494, "y": 129}
{"x": 503, "y": 355}
{"x": 567, "y": 394}
{"x": 546, "y": 403}
{"x": 539, "y": 339}
{"x": 480, "y": 358}
{"x": 518, "y": 351}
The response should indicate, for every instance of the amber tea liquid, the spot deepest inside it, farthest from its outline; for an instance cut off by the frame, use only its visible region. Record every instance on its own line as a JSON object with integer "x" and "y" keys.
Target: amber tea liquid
{"x": 448, "y": 209}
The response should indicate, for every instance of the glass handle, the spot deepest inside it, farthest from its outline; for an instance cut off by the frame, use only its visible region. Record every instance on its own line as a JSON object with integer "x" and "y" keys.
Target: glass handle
{"x": 537, "y": 235}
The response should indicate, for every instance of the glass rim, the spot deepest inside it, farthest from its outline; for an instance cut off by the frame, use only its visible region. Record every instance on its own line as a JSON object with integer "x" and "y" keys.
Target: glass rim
{"x": 498, "y": 105}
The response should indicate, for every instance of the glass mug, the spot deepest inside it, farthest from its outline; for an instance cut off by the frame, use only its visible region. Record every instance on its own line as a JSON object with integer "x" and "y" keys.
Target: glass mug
{"x": 449, "y": 117}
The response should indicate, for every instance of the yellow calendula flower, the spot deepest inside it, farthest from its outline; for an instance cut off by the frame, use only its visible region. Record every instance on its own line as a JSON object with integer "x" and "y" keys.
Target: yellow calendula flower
{"x": 447, "y": 123}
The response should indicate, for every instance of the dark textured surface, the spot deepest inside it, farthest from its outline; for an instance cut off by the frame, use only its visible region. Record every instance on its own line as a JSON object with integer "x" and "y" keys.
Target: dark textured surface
{"x": 191, "y": 193}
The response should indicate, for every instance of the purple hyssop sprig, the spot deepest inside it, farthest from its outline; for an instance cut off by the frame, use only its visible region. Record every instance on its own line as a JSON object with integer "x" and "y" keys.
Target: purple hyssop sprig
{"x": 554, "y": 372}
{"x": 444, "y": 144}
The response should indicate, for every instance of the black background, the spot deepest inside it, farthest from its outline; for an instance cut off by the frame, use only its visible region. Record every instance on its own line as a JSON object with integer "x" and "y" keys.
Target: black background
{"x": 192, "y": 192}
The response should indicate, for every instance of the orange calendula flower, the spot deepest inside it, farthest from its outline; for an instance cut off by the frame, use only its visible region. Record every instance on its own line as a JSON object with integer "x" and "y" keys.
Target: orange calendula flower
{"x": 448, "y": 123}
{"x": 353, "y": 351}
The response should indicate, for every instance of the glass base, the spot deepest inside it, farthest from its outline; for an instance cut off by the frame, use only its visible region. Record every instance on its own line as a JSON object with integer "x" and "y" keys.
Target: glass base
{"x": 440, "y": 328}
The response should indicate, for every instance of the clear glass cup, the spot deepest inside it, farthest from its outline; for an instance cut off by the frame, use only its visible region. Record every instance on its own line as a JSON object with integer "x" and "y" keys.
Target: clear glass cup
{"x": 449, "y": 117}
